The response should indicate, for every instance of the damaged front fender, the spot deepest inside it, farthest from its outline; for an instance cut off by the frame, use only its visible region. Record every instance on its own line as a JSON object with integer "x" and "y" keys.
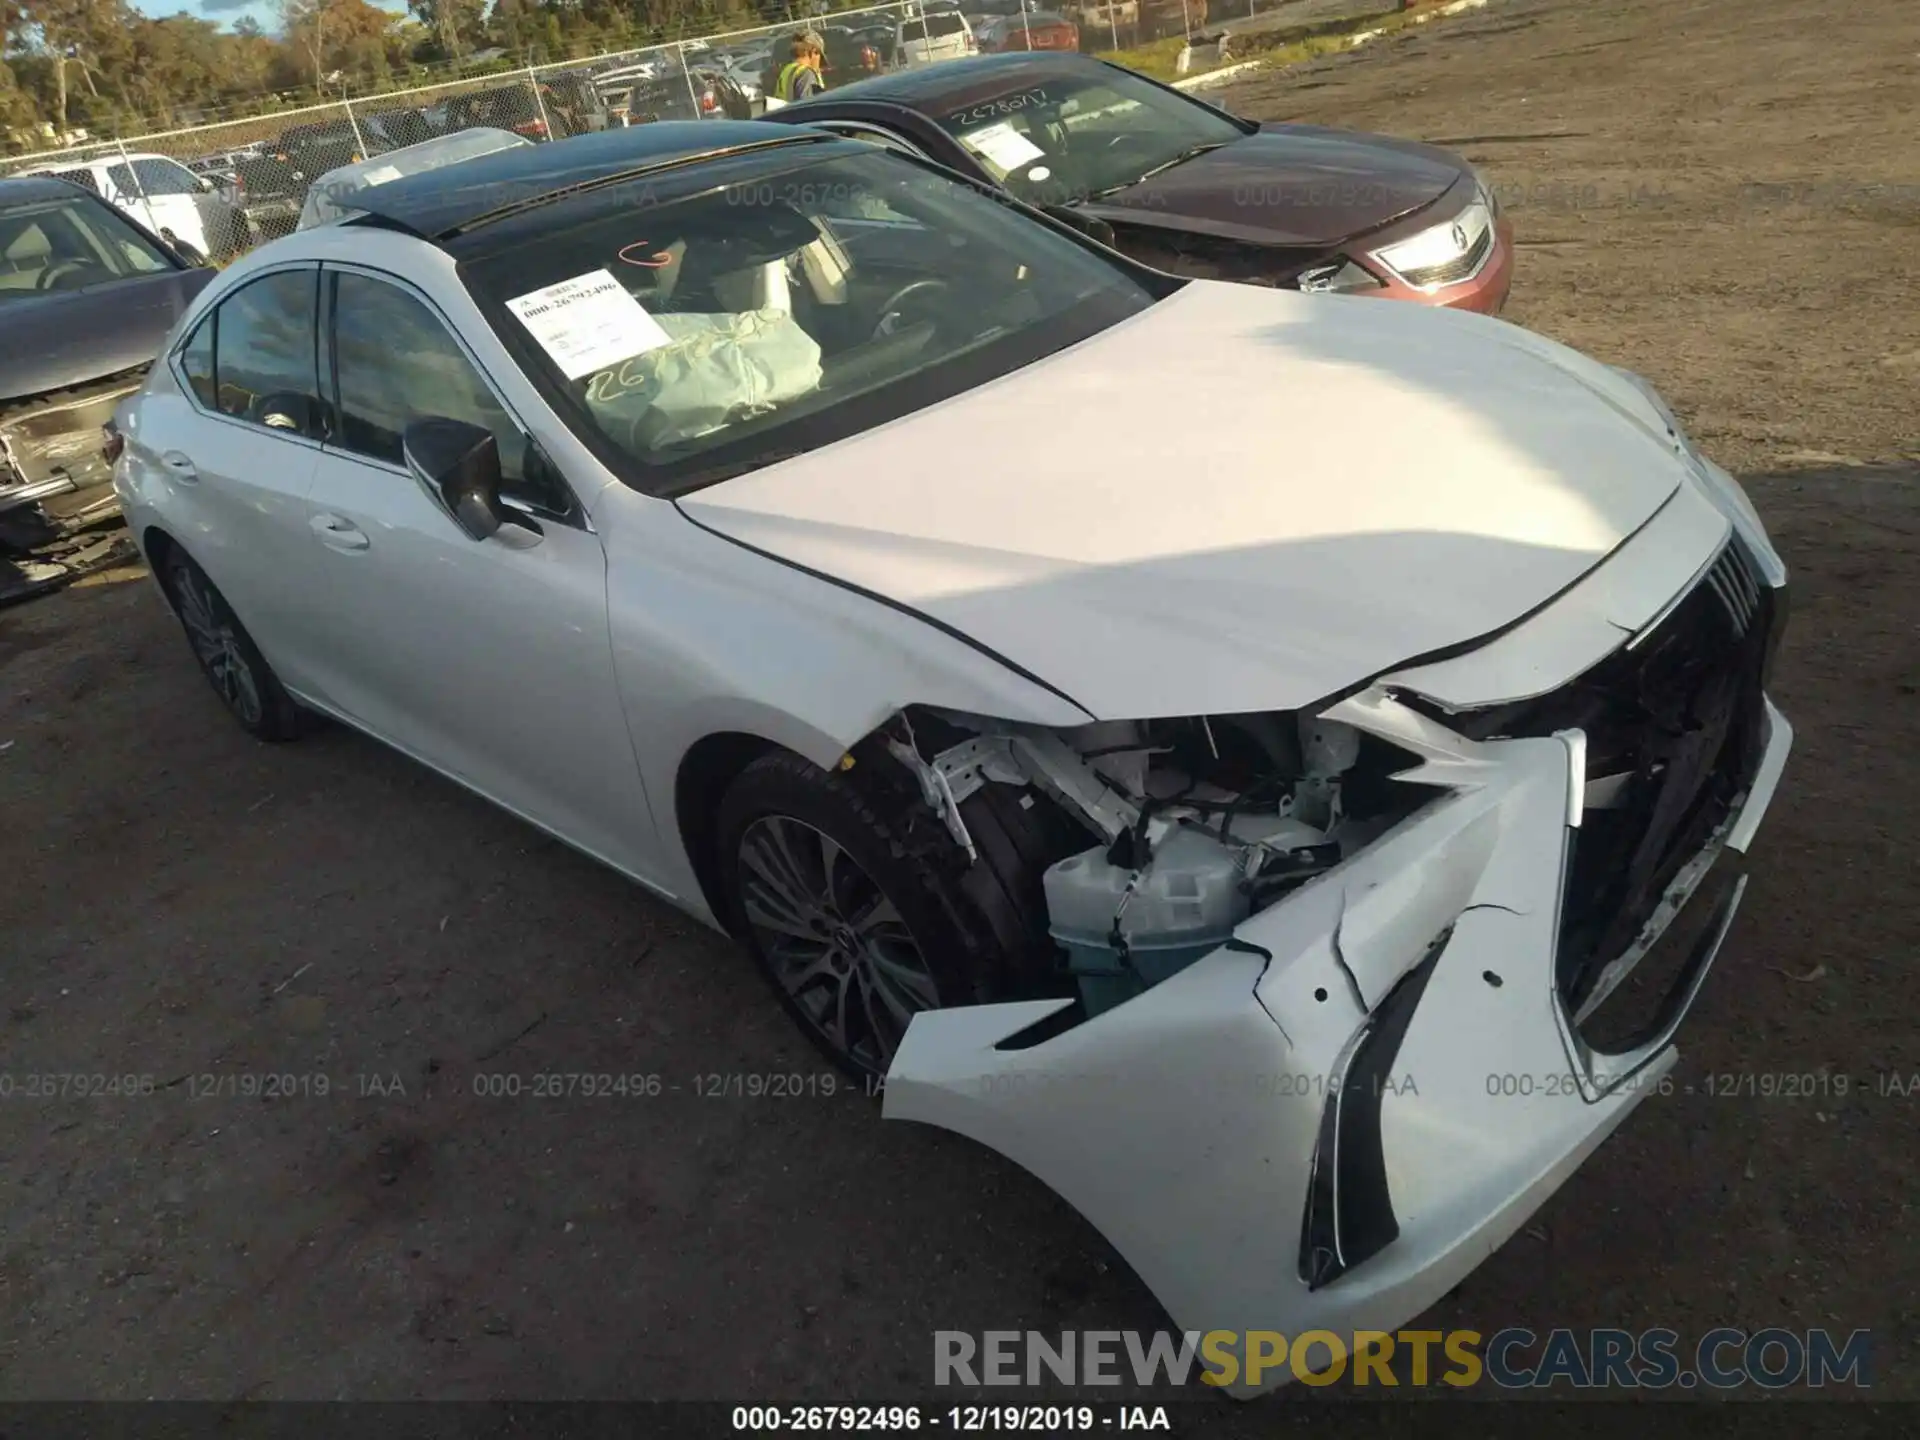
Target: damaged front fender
{"x": 1328, "y": 1122}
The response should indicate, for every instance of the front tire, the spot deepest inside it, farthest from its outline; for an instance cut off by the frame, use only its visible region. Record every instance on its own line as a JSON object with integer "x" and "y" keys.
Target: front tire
{"x": 229, "y": 659}
{"x": 856, "y": 931}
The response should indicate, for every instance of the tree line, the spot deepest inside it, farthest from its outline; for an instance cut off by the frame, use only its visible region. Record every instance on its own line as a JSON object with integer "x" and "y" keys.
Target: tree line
{"x": 103, "y": 66}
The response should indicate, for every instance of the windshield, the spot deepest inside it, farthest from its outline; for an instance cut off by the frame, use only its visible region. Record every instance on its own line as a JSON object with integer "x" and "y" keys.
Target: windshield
{"x": 1079, "y": 135}
{"x": 70, "y": 243}
{"x": 700, "y": 337}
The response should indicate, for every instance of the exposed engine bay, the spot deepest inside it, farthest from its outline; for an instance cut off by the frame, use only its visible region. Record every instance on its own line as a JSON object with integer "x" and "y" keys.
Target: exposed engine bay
{"x": 1134, "y": 848}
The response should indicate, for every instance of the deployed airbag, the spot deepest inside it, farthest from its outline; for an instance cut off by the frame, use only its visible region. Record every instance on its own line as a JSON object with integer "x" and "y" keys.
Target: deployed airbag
{"x": 715, "y": 370}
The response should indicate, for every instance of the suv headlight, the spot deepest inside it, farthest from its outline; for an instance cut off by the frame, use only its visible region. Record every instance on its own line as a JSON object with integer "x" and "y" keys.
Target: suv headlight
{"x": 1446, "y": 253}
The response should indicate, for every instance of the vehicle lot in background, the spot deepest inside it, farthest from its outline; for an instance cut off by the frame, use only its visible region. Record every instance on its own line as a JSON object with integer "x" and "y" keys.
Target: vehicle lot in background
{"x": 419, "y": 1246}
{"x": 166, "y": 197}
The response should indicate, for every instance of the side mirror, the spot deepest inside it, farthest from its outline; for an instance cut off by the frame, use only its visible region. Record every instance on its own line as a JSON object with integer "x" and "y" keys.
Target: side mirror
{"x": 1090, "y": 226}
{"x": 192, "y": 258}
{"x": 460, "y": 463}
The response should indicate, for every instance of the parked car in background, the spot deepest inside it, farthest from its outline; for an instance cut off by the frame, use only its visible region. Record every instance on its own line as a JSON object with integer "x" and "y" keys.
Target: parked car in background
{"x": 1109, "y": 24}
{"x": 224, "y": 171}
{"x": 383, "y": 130}
{"x": 334, "y": 196}
{"x": 850, "y": 55}
{"x": 1087, "y": 694}
{"x": 498, "y": 107}
{"x": 883, "y": 39}
{"x": 1191, "y": 189}
{"x": 1160, "y": 18}
{"x": 1037, "y": 30}
{"x": 741, "y": 75}
{"x": 166, "y": 197}
{"x": 750, "y": 54}
{"x": 304, "y": 151}
{"x": 571, "y": 105}
{"x": 642, "y": 96}
{"x": 87, "y": 296}
{"x": 933, "y": 37}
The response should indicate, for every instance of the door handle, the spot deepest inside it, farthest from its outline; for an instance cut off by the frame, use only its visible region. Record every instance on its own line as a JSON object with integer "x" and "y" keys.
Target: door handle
{"x": 180, "y": 467}
{"x": 337, "y": 532}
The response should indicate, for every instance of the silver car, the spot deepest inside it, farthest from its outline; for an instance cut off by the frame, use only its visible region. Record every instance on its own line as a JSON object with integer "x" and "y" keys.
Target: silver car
{"x": 1273, "y": 840}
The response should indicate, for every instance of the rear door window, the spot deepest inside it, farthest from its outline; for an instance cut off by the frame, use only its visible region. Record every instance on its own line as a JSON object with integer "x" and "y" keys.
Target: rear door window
{"x": 262, "y": 367}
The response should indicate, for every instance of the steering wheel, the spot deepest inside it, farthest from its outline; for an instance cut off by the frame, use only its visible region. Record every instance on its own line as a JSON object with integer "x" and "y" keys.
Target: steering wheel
{"x": 60, "y": 269}
{"x": 891, "y": 319}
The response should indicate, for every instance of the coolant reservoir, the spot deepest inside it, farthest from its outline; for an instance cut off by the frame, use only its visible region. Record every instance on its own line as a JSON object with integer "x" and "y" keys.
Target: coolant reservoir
{"x": 1185, "y": 903}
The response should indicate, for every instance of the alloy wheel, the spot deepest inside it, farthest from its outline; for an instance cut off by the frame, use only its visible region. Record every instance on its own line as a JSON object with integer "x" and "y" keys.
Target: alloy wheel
{"x": 216, "y": 644}
{"x": 836, "y": 944}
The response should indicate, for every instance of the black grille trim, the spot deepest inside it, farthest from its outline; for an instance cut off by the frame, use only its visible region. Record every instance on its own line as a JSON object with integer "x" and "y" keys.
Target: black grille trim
{"x": 1740, "y": 591}
{"x": 1680, "y": 713}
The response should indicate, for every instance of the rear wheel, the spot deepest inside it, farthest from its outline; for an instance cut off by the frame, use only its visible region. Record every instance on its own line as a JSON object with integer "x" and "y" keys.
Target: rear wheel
{"x": 856, "y": 932}
{"x": 233, "y": 665}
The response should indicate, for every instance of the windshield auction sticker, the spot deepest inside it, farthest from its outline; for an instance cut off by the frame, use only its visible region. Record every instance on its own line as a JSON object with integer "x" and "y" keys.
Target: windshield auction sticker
{"x": 1003, "y": 145}
{"x": 588, "y": 323}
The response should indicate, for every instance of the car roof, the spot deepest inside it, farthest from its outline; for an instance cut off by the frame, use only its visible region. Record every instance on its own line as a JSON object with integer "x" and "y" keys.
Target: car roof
{"x": 439, "y": 203}
{"x": 67, "y": 167}
{"x": 27, "y": 189}
{"x": 956, "y": 82}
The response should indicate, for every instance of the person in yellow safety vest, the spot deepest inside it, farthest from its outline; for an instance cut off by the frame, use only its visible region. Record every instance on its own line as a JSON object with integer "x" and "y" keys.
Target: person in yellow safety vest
{"x": 800, "y": 76}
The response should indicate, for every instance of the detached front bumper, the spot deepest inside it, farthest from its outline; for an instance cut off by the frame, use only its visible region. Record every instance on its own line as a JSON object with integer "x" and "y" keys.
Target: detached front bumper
{"x": 1330, "y": 1122}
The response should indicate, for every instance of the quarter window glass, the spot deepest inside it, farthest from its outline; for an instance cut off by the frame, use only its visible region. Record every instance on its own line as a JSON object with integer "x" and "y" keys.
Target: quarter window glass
{"x": 196, "y": 359}
{"x": 397, "y": 364}
{"x": 263, "y": 353}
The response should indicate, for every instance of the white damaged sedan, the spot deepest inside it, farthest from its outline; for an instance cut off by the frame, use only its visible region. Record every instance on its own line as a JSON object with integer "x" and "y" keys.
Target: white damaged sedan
{"x": 1276, "y": 766}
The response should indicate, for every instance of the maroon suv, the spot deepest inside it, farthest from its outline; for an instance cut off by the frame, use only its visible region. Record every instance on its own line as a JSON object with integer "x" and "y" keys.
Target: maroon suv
{"x": 1189, "y": 188}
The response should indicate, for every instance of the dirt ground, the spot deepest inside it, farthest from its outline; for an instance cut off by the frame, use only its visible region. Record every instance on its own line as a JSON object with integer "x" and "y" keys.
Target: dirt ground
{"x": 179, "y": 902}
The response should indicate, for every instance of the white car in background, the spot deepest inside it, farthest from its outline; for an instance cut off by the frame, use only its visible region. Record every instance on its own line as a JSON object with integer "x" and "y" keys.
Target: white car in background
{"x": 166, "y": 197}
{"x": 929, "y": 38}
{"x": 1265, "y": 838}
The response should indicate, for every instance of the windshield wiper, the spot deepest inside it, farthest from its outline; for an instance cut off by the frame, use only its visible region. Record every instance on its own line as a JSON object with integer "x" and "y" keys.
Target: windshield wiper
{"x": 1190, "y": 153}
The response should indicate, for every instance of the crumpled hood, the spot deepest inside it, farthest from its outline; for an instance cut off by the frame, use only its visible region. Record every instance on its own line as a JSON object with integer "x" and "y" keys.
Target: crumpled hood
{"x": 65, "y": 338}
{"x": 1242, "y": 499}
{"x": 1290, "y": 185}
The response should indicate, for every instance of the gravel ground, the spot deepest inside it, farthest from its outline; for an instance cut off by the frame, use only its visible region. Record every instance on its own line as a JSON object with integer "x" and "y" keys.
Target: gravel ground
{"x": 1718, "y": 193}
